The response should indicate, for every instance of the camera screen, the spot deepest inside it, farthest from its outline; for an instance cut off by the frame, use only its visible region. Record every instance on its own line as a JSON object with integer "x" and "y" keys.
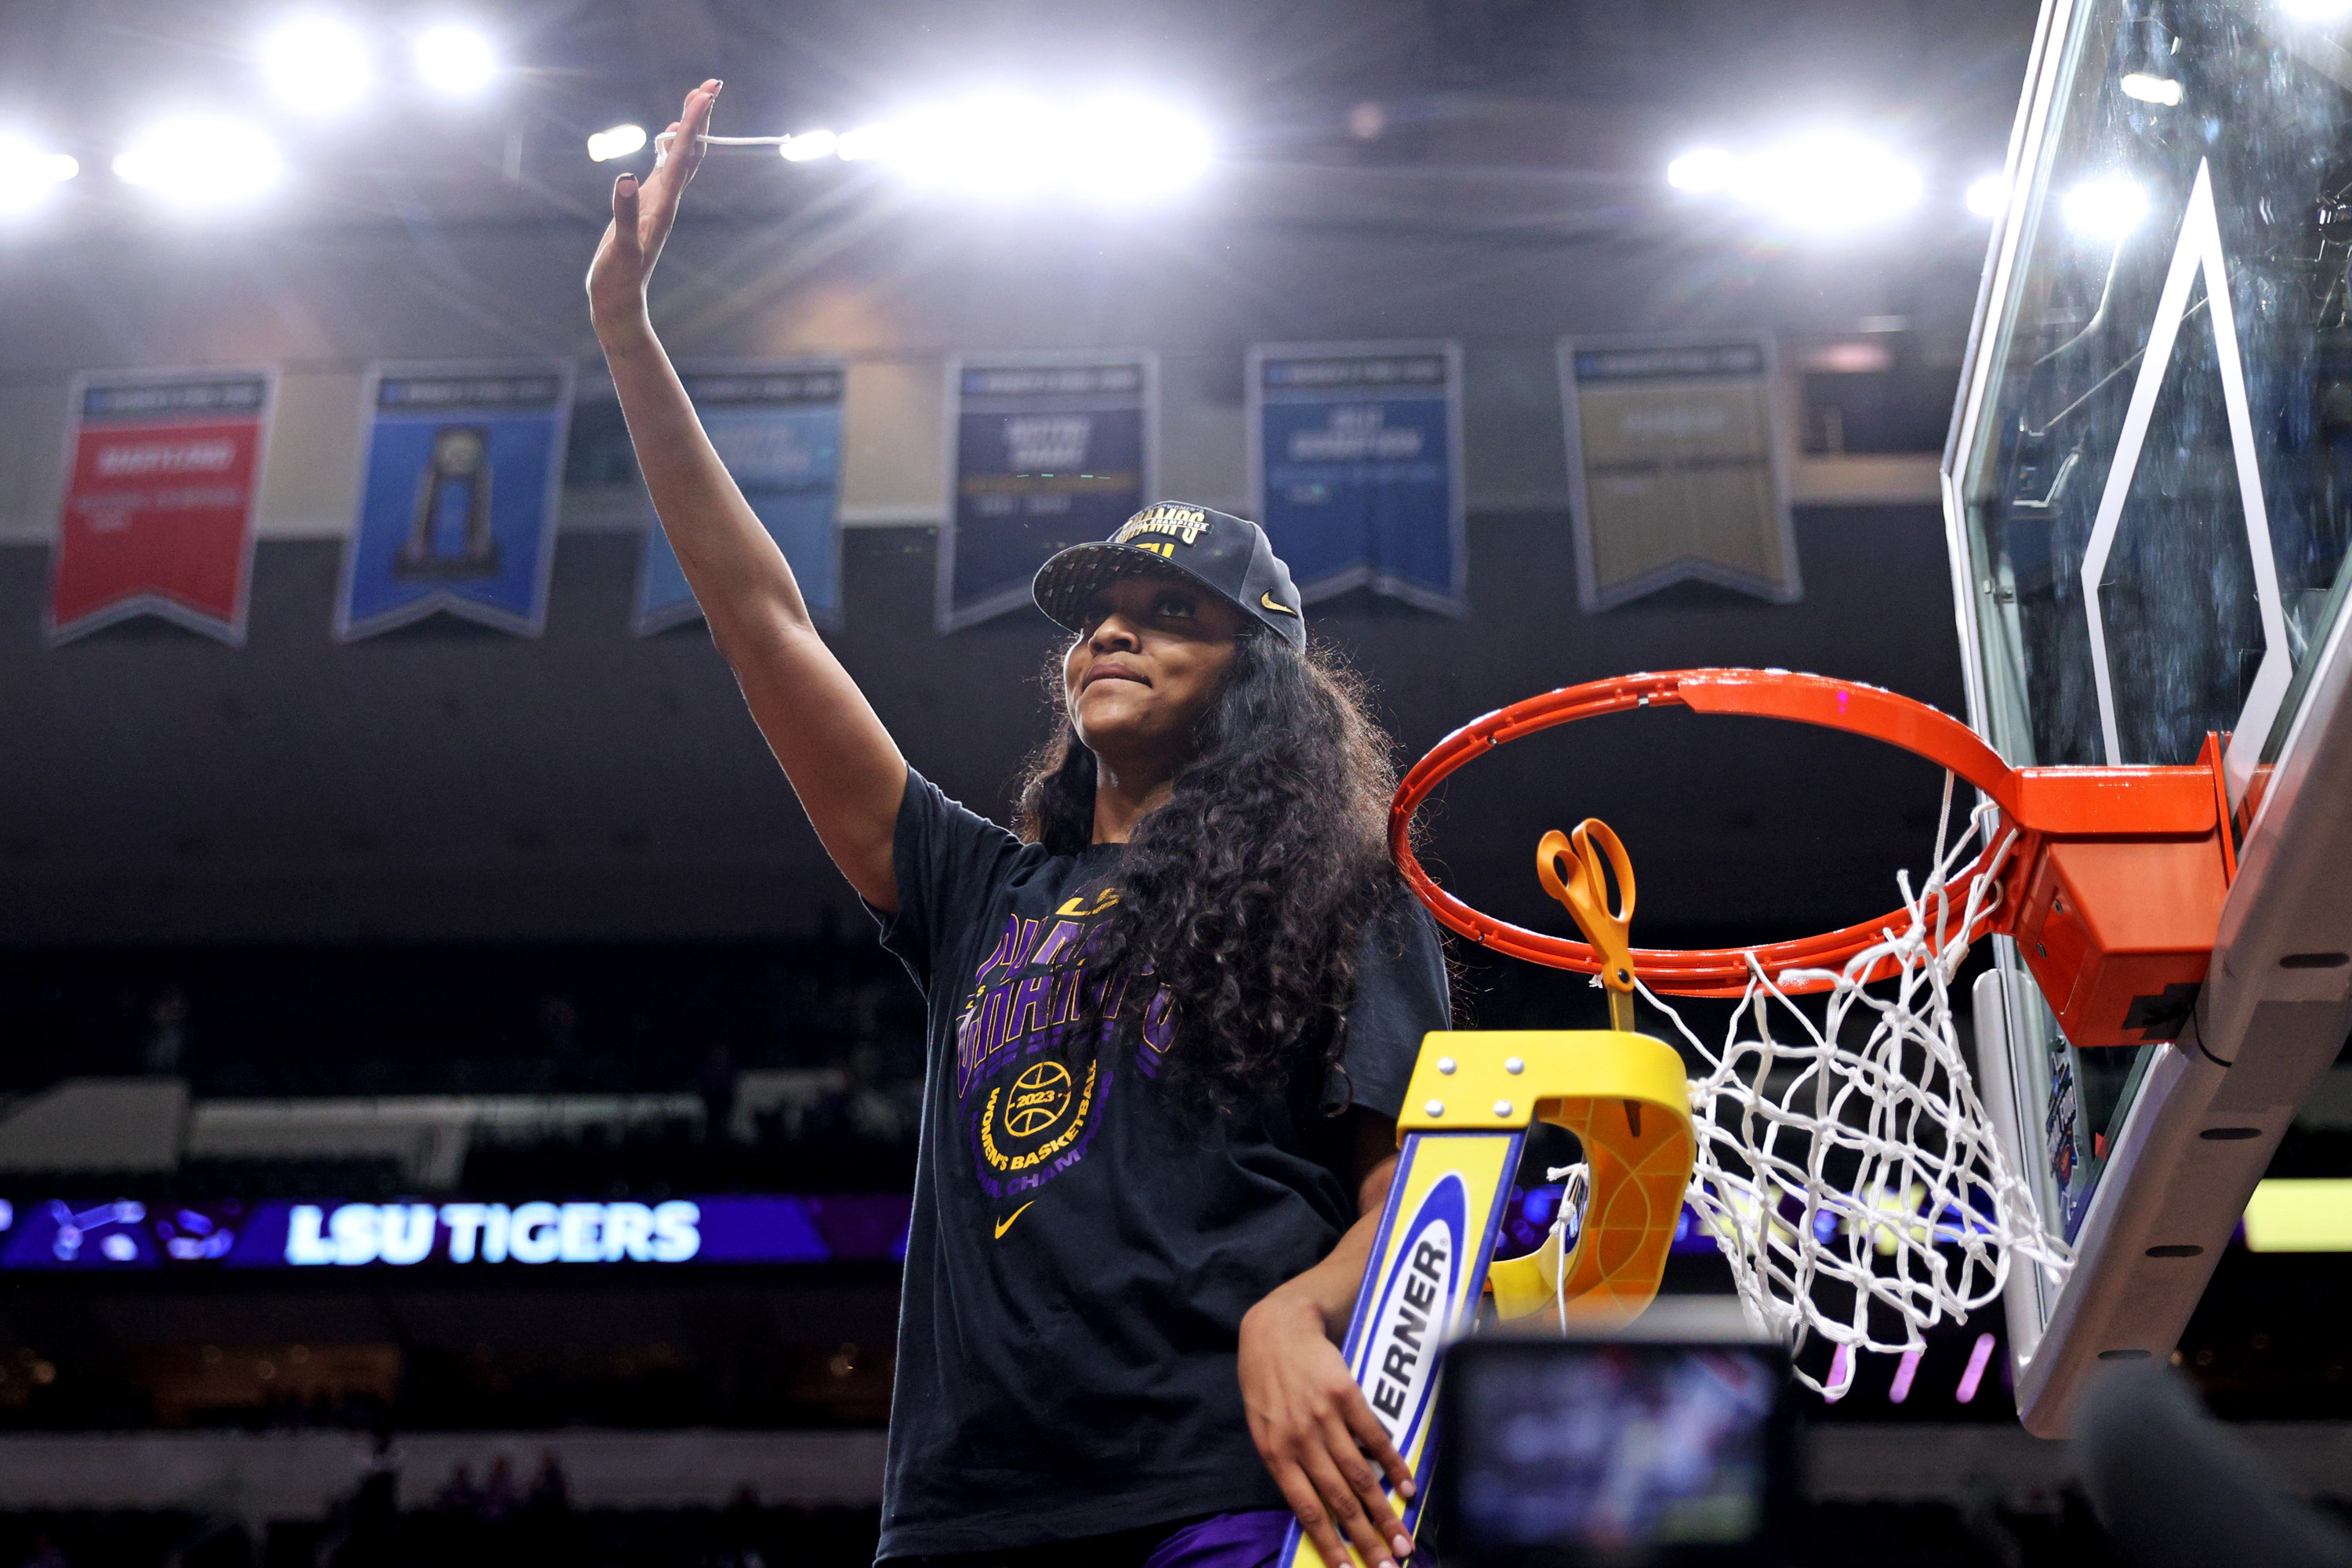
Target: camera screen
{"x": 1610, "y": 1448}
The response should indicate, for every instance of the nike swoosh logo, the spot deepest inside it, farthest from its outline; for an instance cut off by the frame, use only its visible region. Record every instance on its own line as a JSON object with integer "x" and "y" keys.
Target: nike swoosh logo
{"x": 1267, "y": 600}
{"x": 1006, "y": 1223}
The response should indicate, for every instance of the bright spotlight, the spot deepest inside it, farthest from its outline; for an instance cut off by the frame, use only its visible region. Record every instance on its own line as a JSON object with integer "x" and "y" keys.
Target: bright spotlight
{"x": 456, "y": 60}
{"x": 1830, "y": 181}
{"x": 995, "y": 144}
{"x": 2104, "y": 210}
{"x": 1707, "y": 169}
{"x": 316, "y": 65}
{"x": 618, "y": 143}
{"x": 1827, "y": 182}
{"x": 1118, "y": 148}
{"x": 2316, "y": 10}
{"x": 2149, "y": 88}
{"x": 1988, "y": 195}
{"x": 201, "y": 159}
{"x": 809, "y": 144}
{"x": 865, "y": 141}
{"x": 28, "y": 176}
{"x": 1115, "y": 148}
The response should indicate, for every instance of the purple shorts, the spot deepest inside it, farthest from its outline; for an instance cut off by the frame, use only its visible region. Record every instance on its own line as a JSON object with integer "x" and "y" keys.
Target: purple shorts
{"x": 1249, "y": 1538}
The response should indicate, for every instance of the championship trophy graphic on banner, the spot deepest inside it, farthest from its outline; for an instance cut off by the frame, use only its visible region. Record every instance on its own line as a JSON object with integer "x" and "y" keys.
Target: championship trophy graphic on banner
{"x": 457, "y": 490}
{"x": 162, "y": 481}
{"x": 449, "y": 534}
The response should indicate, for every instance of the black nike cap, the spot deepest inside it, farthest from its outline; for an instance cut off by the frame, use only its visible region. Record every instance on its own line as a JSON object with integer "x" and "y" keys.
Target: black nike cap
{"x": 1228, "y": 555}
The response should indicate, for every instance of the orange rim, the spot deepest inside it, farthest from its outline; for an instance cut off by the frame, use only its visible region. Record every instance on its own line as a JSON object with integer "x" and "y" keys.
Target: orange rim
{"x": 1766, "y": 693}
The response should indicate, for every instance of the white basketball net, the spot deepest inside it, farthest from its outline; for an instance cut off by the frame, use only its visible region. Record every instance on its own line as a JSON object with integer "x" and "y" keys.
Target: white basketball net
{"x": 1869, "y": 1168}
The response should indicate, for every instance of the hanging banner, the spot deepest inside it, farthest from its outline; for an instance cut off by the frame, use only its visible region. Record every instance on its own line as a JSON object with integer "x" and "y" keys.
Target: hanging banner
{"x": 778, "y": 429}
{"x": 459, "y": 473}
{"x": 1044, "y": 450}
{"x": 163, "y": 475}
{"x": 1673, "y": 468}
{"x": 1356, "y": 466}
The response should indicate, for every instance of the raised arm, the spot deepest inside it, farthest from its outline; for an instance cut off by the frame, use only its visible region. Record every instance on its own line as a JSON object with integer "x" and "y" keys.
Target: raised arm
{"x": 842, "y": 762}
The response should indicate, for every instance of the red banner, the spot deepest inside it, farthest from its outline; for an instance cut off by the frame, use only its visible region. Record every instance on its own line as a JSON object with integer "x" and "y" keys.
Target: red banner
{"x": 157, "y": 519}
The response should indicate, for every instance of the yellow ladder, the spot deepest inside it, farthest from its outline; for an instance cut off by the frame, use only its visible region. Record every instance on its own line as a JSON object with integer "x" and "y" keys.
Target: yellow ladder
{"x": 1472, "y": 1097}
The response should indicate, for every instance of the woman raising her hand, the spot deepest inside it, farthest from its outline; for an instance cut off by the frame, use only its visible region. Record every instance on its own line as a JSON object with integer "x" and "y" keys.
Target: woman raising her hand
{"x": 1171, "y": 1020}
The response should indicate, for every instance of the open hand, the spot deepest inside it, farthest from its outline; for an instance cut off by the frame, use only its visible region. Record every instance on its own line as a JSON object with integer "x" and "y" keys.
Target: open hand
{"x": 642, "y": 213}
{"x": 1324, "y": 1447}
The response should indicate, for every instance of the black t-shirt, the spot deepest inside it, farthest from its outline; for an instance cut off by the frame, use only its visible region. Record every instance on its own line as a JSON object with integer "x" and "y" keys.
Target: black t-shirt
{"x": 1081, "y": 1252}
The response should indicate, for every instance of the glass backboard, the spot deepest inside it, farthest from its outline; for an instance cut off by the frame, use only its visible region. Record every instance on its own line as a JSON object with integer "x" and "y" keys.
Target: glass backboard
{"x": 2150, "y": 482}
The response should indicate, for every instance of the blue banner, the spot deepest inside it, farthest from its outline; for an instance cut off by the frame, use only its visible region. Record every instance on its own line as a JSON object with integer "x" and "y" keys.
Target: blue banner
{"x": 1048, "y": 451}
{"x": 456, "y": 504}
{"x": 778, "y": 429}
{"x": 1356, "y": 466}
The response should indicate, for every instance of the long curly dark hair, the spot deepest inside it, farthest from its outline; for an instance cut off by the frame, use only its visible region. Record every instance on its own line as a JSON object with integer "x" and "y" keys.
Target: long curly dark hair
{"x": 1248, "y": 891}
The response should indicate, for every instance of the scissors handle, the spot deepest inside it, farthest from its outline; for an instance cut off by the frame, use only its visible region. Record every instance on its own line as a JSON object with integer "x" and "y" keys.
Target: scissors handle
{"x": 1594, "y": 855}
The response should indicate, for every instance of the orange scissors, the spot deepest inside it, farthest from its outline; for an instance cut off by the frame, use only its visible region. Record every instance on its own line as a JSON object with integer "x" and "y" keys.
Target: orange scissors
{"x": 1594, "y": 855}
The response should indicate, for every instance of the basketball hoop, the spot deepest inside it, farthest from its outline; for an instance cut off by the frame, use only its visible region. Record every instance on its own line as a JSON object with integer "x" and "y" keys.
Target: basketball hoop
{"x": 2120, "y": 967}
{"x": 1873, "y": 1166}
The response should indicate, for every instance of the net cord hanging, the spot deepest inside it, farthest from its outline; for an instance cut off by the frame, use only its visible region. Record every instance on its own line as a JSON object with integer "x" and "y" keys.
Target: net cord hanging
{"x": 1926, "y": 1227}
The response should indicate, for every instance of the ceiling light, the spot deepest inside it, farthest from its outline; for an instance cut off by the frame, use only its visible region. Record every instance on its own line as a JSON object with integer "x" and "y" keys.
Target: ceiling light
{"x": 865, "y": 141}
{"x": 618, "y": 143}
{"x": 809, "y": 144}
{"x": 1829, "y": 182}
{"x": 992, "y": 144}
{"x": 1707, "y": 169}
{"x": 1988, "y": 195}
{"x": 200, "y": 159}
{"x": 316, "y": 65}
{"x": 28, "y": 176}
{"x": 2151, "y": 88}
{"x": 1826, "y": 181}
{"x": 2105, "y": 209}
{"x": 1120, "y": 148}
{"x": 1112, "y": 147}
{"x": 456, "y": 60}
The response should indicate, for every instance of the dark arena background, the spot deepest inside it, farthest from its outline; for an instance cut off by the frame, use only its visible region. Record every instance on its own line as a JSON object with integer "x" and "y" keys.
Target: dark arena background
{"x": 346, "y": 893}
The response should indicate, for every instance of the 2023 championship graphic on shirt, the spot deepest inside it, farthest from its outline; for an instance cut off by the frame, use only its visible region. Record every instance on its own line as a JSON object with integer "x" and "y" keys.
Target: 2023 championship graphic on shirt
{"x": 1031, "y": 1072}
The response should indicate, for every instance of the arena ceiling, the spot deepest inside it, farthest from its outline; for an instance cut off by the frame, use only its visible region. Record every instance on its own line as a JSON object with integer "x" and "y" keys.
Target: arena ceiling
{"x": 1542, "y": 115}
